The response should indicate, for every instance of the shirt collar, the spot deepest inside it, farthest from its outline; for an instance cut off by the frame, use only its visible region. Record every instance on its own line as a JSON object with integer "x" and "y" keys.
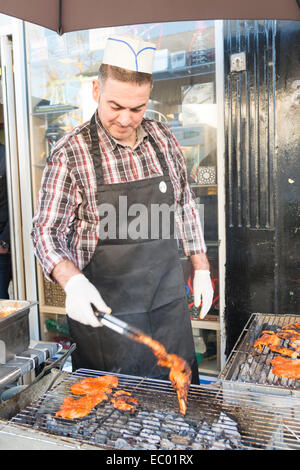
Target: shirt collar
{"x": 141, "y": 134}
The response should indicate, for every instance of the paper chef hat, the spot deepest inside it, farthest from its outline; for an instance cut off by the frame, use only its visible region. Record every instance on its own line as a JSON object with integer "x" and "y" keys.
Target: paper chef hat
{"x": 129, "y": 52}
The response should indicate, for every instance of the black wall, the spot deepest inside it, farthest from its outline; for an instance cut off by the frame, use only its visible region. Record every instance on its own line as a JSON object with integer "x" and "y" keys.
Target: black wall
{"x": 262, "y": 115}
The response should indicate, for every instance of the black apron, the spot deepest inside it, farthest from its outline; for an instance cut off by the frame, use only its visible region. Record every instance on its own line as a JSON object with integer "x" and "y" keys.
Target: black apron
{"x": 140, "y": 279}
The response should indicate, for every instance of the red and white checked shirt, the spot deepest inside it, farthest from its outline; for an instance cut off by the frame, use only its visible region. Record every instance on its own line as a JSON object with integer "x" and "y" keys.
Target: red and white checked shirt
{"x": 66, "y": 222}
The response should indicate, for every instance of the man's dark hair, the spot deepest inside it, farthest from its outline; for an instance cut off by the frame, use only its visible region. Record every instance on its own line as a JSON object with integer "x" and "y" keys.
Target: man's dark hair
{"x": 117, "y": 73}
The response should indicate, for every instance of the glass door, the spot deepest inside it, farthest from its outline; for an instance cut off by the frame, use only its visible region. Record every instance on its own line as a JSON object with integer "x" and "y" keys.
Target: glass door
{"x": 184, "y": 97}
{"x": 17, "y": 290}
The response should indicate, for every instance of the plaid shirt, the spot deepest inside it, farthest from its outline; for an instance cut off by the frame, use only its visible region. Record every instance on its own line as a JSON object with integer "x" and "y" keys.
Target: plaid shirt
{"x": 66, "y": 222}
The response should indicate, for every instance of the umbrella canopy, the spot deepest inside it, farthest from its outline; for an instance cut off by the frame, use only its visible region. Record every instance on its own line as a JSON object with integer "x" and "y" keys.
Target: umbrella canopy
{"x": 74, "y": 15}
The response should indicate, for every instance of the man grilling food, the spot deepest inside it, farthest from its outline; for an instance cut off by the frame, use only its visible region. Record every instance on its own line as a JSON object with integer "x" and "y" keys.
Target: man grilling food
{"x": 85, "y": 227}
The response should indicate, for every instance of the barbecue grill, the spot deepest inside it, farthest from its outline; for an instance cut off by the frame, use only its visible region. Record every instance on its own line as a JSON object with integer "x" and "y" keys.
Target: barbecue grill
{"x": 248, "y": 369}
{"x": 248, "y": 408}
{"x": 216, "y": 418}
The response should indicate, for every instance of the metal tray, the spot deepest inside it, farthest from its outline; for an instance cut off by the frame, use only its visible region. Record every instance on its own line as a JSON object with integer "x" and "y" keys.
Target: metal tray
{"x": 20, "y": 305}
{"x": 14, "y": 329}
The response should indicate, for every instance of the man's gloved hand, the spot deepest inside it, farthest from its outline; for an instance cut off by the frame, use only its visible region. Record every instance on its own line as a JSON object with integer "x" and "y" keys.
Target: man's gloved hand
{"x": 80, "y": 294}
{"x": 203, "y": 290}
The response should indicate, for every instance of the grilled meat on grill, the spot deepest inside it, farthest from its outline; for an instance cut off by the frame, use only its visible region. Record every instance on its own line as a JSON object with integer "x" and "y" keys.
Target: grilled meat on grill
{"x": 158, "y": 349}
{"x": 122, "y": 405}
{"x": 90, "y": 384}
{"x": 272, "y": 340}
{"x": 291, "y": 325}
{"x": 268, "y": 339}
{"x": 284, "y": 367}
{"x": 124, "y": 402}
{"x": 95, "y": 391}
{"x": 180, "y": 372}
{"x": 77, "y": 408}
{"x": 121, "y": 392}
{"x": 291, "y": 335}
{"x": 180, "y": 377}
{"x": 285, "y": 351}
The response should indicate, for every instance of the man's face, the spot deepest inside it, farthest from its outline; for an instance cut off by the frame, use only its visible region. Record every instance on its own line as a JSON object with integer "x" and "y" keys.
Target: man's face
{"x": 121, "y": 107}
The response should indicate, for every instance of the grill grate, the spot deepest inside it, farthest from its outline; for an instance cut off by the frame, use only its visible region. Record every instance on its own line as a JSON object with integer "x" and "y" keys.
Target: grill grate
{"x": 246, "y": 366}
{"x": 216, "y": 418}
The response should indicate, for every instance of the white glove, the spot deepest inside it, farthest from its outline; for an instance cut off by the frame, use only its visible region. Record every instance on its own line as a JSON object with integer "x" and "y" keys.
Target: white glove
{"x": 203, "y": 289}
{"x": 80, "y": 293}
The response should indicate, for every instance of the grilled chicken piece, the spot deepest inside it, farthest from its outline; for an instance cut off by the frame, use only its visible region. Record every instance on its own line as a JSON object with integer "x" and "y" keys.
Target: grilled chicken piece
{"x": 272, "y": 340}
{"x": 77, "y": 408}
{"x": 268, "y": 339}
{"x": 180, "y": 372}
{"x": 95, "y": 391}
{"x": 285, "y": 351}
{"x": 125, "y": 403}
{"x": 289, "y": 366}
{"x": 290, "y": 335}
{"x": 291, "y": 326}
{"x": 90, "y": 384}
{"x": 158, "y": 349}
{"x": 180, "y": 377}
{"x": 284, "y": 367}
{"x": 121, "y": 392}
{"x": 279, "y": 361}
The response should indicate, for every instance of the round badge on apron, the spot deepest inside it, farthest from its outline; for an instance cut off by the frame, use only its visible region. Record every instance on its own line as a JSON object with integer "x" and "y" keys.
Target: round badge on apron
{"x": 162, "y": 187}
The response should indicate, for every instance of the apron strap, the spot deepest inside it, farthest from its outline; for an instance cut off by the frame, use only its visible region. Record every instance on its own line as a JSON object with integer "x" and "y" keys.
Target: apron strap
{"x": 96, "y": 154}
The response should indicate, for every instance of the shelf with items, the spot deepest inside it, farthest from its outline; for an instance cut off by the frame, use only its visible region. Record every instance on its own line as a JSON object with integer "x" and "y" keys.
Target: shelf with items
{"x": 54, "y": 327}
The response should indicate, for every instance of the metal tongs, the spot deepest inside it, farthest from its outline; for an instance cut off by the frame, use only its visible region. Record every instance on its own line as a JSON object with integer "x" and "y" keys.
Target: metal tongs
{"x": 123, "y": 329}
{"x": 117, "y": 325}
